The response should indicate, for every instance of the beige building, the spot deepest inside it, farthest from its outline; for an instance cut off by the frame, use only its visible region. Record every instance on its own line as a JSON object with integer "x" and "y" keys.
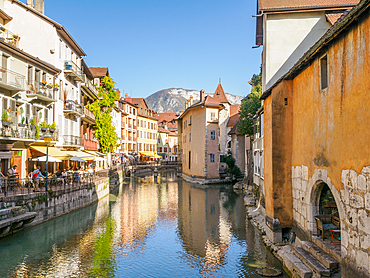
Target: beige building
{"x": 198, "y": 128}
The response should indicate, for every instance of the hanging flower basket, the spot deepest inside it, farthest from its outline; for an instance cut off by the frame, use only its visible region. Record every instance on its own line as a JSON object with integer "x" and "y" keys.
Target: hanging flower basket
{"x": 6, "y": 123}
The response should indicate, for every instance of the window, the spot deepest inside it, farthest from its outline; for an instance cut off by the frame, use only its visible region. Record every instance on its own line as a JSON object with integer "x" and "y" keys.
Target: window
{"x": 213, "y": 134}
{"x": 212, "y": 157}
{"x": 229, "y": 145}
{"x": 222, "y": 158}
{"x": 190, "y": 137}
{"x": 324, "y": 72}
{"x": 262, "y": 125}
{"x": 190, "y": 121}
{"x": 219, "y": 146}
{"x": 165, "y": 149}
{"x": 213, "y": 116}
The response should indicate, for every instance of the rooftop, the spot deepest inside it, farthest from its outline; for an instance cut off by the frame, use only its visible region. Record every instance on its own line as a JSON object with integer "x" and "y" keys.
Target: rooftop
{"x": 303, "y": 4}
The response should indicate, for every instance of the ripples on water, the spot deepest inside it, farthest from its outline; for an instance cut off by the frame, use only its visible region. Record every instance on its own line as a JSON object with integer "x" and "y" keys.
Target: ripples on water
{"x": 154, "y": 228}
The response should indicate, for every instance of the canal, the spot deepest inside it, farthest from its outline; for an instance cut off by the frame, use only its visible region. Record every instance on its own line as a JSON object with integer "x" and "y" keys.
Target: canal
{"x": 166, "y": 228}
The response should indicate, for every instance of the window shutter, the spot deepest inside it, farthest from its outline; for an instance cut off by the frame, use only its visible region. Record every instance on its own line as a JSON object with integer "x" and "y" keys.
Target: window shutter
{"x": 34, "y": 111}
{"x": 28, "y": 111}
{"x": 5, "y": 103}
{"x": 13, "y": 105}
{"x": 46, "y": 111}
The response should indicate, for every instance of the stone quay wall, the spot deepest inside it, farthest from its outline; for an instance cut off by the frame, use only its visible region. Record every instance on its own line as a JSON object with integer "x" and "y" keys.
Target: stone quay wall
{"x": 62, "y": 201}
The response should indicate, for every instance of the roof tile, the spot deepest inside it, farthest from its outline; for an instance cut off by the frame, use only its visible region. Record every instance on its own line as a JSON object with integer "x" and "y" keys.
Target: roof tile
{"x": 303, "y": 4}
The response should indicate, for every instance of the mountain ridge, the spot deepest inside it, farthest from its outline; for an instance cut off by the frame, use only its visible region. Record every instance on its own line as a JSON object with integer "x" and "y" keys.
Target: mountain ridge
{"x": 173, "y": 99}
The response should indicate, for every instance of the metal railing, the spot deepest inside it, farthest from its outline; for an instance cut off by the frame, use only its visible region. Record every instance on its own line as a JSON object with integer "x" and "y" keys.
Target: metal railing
{"x": 12, "y": 79}
{"x": 90, "y": 86}
{"x": 9, "y": 37}
{"x": 71, "y": 66}
{"x": 71, "y": 140}
{"x": 71, "y": 105}
{"x": 88, "y": 113}
{"x": 36, "y": 88}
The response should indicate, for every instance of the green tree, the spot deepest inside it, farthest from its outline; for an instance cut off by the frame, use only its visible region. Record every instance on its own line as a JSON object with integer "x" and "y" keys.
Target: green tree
{"x": 102, "y": 109}
{"x": 250, "y": 105}
{"x": 232, "y": 168}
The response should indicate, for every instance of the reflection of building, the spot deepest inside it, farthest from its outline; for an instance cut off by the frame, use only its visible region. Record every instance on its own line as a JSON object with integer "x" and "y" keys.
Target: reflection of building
{"x": 206, "y": 218}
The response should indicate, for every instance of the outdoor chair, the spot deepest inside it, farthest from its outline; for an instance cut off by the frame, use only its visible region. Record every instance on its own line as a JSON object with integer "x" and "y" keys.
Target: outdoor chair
{"x": 326, "y": 222}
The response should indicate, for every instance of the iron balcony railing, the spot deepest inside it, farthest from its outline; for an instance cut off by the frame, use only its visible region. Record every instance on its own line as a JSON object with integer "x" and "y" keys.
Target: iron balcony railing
{"x": 73, "y": 70}
{"x": 40, "y": 90}
{"x": 71, "y": 140}
{"x": 9, "y": 37}
{"x": 90, "y": 86}
{"x": 88, "y": 114}
{"x": 12, "y": 80}
{"x": 70, "y": 106}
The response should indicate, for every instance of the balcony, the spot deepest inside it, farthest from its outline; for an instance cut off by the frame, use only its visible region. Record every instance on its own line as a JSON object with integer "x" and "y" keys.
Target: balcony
{"x": 71, "y": 140}
{"x": 54, "y": 135}
{"x": 9, "y": 37}
{"x": 38, "y": 92}
{"x": 90, "y": 145}
{"x": 130, "y": 138}
{"x": 123, "y": 125}
{"x": 12, "y": 81}
{"x": 123, "y": 137}
{"x": 88, "y": 116}
{"x": 134, "y": 126}
{"x": 72, "y": 70}
{"x": 87, "y": 85}
{"x": 72, "y": 107}
{"x": 129, "y": 125}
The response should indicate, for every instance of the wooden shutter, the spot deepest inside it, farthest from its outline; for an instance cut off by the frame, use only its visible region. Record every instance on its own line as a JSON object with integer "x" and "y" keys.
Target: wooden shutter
{"x": 28, "y": 111}
{"x": 13, "y": 105}
{"x": 5, "y": 103}
{"x": 34, "y": 111}
{"x": 46, "y": 111}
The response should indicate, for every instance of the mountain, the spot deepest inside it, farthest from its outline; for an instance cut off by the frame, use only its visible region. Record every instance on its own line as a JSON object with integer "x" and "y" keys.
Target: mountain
{"x": 173, "y": 100}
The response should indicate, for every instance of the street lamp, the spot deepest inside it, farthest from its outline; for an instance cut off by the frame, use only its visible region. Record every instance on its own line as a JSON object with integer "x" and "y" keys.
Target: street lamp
{"x": 47, "y": 140}
{"x": 111, "y": 155}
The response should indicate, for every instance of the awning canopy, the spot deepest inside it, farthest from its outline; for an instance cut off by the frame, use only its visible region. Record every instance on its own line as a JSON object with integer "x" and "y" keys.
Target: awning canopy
{"x": 54, "y": 152}
{"x": 154, "y": 155}
{"x": 83, "y": 155}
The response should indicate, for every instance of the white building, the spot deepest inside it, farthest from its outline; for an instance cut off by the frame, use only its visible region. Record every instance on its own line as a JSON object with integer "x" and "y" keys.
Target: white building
{"x": 287, "y": 30}
{"x": 49, "y": 41}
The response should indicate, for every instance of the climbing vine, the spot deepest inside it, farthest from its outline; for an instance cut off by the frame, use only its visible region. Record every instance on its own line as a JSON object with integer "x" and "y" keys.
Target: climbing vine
{"x": 102, "y": 109}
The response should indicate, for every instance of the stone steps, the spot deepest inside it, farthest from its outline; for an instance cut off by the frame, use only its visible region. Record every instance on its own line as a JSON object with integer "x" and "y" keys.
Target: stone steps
{"x": 296, "y": 266}
{"x": 321, "y": 256}
{"x": 307, "y": 260}
{"x": 311, "y": 262}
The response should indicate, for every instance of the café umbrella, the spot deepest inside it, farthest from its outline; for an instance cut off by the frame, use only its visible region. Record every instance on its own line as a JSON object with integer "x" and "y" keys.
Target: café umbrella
{"x": 76, "y": 158}
{"x": 50, "y": 159}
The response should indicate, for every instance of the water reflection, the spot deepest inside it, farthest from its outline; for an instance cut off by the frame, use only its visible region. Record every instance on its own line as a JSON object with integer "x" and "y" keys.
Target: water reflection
{"x": 153, "y": 227}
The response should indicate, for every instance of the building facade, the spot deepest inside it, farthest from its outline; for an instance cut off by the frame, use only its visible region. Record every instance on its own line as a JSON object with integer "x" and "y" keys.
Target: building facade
{"x": 198, "y": 128}
{"x": 316, "y": 122}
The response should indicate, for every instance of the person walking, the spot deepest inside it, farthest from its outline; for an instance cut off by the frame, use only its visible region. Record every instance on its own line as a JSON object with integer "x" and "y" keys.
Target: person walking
{"x": 36, "y": 178}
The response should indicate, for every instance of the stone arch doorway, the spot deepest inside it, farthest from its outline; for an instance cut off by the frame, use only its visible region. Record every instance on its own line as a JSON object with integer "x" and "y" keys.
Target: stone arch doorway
{"x": 325, "y": 200}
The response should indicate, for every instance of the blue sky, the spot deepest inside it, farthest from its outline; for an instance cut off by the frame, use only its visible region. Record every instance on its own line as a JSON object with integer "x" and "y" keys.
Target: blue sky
{"x": 151, "y": 45}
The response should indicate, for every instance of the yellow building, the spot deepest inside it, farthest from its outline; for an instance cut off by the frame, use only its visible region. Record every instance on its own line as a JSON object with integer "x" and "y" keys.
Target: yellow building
{"x": 198, "y": 138}
{"x": 147, "y": 129}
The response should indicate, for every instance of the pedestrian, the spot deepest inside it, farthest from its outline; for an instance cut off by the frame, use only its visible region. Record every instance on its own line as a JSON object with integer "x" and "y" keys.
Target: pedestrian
{"x": 64, "y": 176}
{"x": 36, "y": 178}
{"x": 12, "y": 171}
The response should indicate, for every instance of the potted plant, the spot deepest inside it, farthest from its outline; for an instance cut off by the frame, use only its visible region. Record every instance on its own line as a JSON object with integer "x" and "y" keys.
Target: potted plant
{"x": 33, "y": 123}
{"x": 52, "y": 127}
{"x": 43, "y": 83}
{"x": 44, "y": 126}
{"x": 22, "y": 124}
{"x": 55, "y": 87}
{"x": 37, "y": 133}
{"x": 6, "y": 119}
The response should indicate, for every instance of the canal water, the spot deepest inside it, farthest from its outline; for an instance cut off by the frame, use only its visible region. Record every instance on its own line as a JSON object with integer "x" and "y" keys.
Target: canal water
{"x": 148, "y": 228}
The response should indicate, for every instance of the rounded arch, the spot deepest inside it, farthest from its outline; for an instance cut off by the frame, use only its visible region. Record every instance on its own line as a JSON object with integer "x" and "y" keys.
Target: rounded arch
{"x": 317, "y": 183}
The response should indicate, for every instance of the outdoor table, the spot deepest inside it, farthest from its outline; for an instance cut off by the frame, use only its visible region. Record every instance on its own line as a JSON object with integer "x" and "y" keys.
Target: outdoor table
{"x": 333, "y": 231}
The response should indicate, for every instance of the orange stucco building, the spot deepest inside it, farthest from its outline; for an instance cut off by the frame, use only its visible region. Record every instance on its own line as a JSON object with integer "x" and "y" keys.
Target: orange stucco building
{"x": 198, "y": 130}
{"x": 317, "y": 135}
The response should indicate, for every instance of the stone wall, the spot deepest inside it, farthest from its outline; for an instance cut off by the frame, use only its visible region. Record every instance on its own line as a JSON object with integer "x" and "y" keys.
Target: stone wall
{"x": 58, "y": 202}
{"x": 353, "y": 203}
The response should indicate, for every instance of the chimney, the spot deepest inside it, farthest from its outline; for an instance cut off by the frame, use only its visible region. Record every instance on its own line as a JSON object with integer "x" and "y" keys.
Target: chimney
{"x": 39, "y": 6}
{"x": 191, "y": 100}
{"x": 127, "y": 98}
{"x": 202, "y": 94}
{"x": 30, "y": 3}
